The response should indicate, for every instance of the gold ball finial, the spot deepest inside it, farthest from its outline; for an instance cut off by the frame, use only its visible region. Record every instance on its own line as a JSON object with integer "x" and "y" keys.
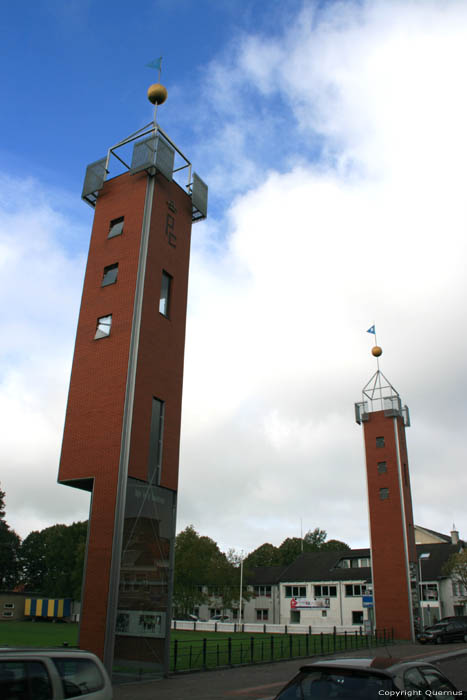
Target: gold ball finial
{"x": 157, "y": 94}
{"x": 376, "y": 351}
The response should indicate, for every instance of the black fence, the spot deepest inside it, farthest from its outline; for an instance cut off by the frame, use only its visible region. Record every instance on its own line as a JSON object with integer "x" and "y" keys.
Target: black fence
{"x": 208, "y": 653}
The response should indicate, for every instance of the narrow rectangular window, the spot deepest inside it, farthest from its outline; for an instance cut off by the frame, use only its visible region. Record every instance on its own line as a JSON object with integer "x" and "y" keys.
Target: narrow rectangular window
{"x": 288, "y": 591}
{"x": 116, "y": 227}
{"x": 357, "y": 617}
{"x": 110, "y": 275}
{"x": 383, "y": 494}
{"x": 155, "y": 441}
{"x": 382, "y": 468}
{"x": 166, "y": 284}
{"x": 380, "y": 441}
{"x": 104, "y": 324}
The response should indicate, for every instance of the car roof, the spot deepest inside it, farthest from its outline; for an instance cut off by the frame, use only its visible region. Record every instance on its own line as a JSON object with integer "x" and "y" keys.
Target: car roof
{"x": 46, "y": 651}
{"x": 384, "y": 664}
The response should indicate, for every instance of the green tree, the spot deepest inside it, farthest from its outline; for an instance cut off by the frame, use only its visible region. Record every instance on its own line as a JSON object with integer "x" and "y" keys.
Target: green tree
{"x": 265, "y": 555}
{"x": 10, "y": 544}
{"x": 314, "y": 539}
{"x": 336, "y": 545}
{"x": 456, "y": 568}
{"x": 52, "y": 560}
{"x": 196, "y": 557}
{"x": 290, "y": 549}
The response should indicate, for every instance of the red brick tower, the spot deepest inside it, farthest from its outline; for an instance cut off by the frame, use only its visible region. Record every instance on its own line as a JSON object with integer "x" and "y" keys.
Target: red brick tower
{"x": 122, "y": 427}
{"x": 393, "y": 554}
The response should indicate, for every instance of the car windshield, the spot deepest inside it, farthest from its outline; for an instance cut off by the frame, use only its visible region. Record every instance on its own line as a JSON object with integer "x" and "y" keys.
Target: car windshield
{"x": 338, "y": 684}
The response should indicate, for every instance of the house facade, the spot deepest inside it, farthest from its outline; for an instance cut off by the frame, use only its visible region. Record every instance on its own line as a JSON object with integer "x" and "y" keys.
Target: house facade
{"x": 328, "y": 589}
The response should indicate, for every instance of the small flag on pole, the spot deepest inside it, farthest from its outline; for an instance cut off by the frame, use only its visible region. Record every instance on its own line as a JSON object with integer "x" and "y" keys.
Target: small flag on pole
{"x": 156, "y": 63}
{"x": 372, "y": 330}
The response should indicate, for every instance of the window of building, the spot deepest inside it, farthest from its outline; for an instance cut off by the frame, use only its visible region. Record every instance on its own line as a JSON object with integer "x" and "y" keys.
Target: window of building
{"x": 458, "y": 589}
{"x": 214, "y": 611}
{"x": 295, "y": 591}
{"x": 354, "y": 564}
{"x": 7, "y": 613}
{"x": 365, "y": 561}
{"x": 155, "y": 441}
{"x": 166, "y": 285}
{"x": 262, "y": 615}
{"x": 322, "y": 591}
{"x": 324, "y": 613}
{"x": 382, "y": 467}
{"x": 116, "y": 227}
{"x": 262, "y": 590}
{"x": 235, "y": 614}
{"x": 110, "y": 275}
{"x": 295, "y": 617}
{"x": 429, "y": 591}
{"x": 104, "y": 324}
{"x": 354, "y": 589}
{"x": 10, "y": 606}
{"x": 380, "y": 441}
{"x": 383, "y": 494}
{"x": 357, "y": 617}
{"x": 344, "y": 564}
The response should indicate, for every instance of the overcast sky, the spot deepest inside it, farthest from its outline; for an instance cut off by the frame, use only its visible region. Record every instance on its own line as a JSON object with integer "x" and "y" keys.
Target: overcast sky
{"x": 332, "y": 136}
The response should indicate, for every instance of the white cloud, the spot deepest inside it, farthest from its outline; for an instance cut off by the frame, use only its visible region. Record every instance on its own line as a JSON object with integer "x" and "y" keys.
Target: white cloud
{"x": 40, "y": 290}
{"x": 309, "y": 252}
{"x": 277, "y": 353}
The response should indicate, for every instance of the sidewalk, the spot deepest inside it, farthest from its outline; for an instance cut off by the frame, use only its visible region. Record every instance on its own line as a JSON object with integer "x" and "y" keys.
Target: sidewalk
{"x": 263, "y": 681}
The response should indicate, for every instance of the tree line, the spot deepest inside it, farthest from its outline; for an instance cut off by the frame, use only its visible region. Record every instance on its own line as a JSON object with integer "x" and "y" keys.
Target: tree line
{"x": 48, "y": 562}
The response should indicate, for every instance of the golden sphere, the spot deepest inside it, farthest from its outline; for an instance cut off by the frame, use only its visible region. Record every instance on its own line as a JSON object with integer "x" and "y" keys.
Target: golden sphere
{"x": 377, "y": 351}
{"x": 157, "y": 94}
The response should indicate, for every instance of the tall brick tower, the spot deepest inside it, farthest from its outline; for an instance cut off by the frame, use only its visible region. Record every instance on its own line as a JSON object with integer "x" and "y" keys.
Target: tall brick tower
{"x": 122, "y": 428}
{"x": 393, "y": 553}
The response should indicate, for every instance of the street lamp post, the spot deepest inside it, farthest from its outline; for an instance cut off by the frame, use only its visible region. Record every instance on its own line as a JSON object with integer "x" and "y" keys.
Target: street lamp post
{"x": 423, "y": 555}
{"x": 240, "y": 594}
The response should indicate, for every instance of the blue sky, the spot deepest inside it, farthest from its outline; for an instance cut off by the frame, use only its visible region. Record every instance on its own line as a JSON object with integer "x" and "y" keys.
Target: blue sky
{"x": 332, "y": 138}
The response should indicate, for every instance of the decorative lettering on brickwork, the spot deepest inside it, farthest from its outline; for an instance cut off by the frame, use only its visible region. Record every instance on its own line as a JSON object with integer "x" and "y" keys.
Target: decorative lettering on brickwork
{"x": 169, "y": 231}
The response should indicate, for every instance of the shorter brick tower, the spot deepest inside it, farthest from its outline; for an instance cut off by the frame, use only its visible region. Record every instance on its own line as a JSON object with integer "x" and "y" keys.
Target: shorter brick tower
{"x": 393, "y": 553}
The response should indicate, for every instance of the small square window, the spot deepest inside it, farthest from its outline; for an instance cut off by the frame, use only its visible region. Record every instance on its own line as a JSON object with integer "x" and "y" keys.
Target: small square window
{"x": 166, "y": 285}
{"x": 110, "y": 274}
{"x": 383, "y": 494}
{"x": 116, "y": 227}
{"x": 324, "y": 613}
{"x": 104, "y": 325}
{"x": 382, "y": 467}
{"x": 380, "y": 441}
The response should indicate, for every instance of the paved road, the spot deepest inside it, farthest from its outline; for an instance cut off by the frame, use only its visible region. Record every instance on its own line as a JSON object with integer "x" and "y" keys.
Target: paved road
{"x": 262, "y": 681}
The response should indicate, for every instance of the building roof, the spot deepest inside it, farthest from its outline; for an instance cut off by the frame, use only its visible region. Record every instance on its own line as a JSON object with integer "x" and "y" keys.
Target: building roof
{"x": 323, "y": 566}
{"x": 432, "y": 567}
{"x": 264, "y": 575}
{"x": 438, "y": 535}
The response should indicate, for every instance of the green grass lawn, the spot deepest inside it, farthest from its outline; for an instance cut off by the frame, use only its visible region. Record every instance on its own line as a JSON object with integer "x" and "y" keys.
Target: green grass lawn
{"x": 195, "y": 650}
{"x": 38, "y": 634}
{"x": 190, "y": 651}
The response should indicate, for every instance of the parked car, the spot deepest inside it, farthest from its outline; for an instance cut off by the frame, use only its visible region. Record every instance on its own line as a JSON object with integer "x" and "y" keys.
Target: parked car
{"x": 453, "y": 631}
{"x": 187, "y": 618}
{"x": 219, "y": 618}
{"x": 365, "y": 679}
{"x": 52, "y": 674}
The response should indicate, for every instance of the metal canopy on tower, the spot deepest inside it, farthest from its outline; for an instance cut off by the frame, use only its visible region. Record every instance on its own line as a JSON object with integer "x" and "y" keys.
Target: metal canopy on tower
{"x": 153, "y": 151}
